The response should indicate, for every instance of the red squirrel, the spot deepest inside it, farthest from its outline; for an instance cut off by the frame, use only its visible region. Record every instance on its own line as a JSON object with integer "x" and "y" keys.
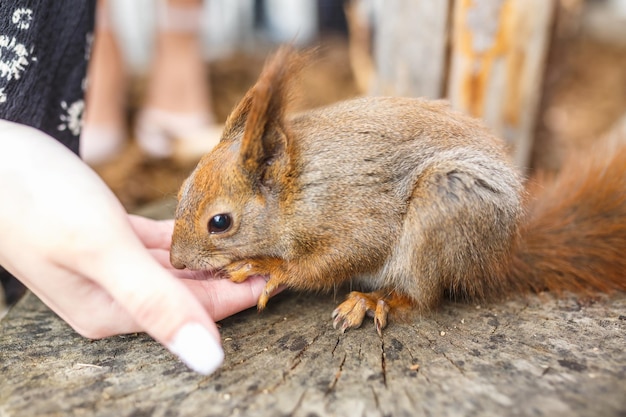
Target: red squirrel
{"x": 405, "y": 197}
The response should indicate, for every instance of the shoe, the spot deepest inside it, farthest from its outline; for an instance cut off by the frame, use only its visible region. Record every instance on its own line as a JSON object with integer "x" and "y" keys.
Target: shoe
{"x": 100, "y": 144}
{"x": 184, "y": 137}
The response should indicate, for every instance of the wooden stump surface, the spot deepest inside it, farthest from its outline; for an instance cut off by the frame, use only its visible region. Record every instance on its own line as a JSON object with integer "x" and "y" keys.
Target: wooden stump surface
{"x": 533, "y": 357}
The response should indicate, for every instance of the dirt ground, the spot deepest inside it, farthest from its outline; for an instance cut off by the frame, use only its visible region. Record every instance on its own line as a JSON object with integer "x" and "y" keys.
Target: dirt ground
{"x": 584, "y": 95}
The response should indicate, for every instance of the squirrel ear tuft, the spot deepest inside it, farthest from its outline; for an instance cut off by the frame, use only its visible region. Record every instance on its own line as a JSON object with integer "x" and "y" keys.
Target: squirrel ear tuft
{"x": 263, "y": 109}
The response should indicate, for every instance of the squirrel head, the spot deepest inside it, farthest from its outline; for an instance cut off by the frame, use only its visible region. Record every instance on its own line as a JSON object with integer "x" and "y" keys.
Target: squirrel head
{"x": 230, "y": 206}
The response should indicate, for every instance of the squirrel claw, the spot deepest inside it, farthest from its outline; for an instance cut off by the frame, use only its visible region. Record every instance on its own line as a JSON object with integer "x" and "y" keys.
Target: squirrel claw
{"x": 350, "y": 313}
{"x": 269, "y": 289}
{"x": 341, "y": 323}
{"x": 380, "y": 316}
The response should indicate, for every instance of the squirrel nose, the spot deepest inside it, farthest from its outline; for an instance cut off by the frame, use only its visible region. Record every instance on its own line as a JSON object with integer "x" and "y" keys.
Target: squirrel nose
{"x": 176, "y": 261}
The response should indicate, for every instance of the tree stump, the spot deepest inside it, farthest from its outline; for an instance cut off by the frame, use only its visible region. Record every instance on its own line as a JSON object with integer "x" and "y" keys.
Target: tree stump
{"x": 538, "y": 356}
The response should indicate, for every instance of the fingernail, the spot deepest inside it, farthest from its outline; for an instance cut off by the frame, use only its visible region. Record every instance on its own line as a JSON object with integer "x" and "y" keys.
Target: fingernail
{"x": 197, "y": 348}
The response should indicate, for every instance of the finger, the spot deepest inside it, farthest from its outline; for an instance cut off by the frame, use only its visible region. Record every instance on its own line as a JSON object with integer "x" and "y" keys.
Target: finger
{"x": 162, "y": 306}
{"x": 82, "y": 303}
{"x": 100, "y": 315}
{"x": 152, "y": 233}
{"x": 223, "y": 298}
{"x": 163, "y": 258}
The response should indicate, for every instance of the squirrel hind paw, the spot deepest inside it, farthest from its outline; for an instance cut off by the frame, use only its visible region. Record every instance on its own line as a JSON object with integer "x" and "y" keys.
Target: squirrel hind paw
{"x": 379, "y": 304}
{"x": 350, "y": 313}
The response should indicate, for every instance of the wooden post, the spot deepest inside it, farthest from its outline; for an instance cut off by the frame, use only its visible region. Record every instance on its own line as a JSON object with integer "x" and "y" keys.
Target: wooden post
{"x": 410, "y": 48}
{"x": 497, "y": 65}
{"x": 492, "y": 68}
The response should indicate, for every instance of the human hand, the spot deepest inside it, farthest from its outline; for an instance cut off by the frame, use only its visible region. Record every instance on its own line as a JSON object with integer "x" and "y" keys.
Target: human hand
{"x": 69, "y": 240}
{"x": 220, "y": 297}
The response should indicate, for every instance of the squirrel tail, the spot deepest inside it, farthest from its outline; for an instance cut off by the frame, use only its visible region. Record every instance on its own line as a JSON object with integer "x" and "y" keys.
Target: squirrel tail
{"x": 574, "y": 236}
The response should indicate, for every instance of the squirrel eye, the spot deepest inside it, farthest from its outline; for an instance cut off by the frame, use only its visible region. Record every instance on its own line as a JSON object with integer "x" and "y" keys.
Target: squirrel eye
{"x": 219, "y": 223}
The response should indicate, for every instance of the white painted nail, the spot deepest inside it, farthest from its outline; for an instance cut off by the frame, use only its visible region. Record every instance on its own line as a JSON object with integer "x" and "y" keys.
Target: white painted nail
{"x": 197, "y": 348}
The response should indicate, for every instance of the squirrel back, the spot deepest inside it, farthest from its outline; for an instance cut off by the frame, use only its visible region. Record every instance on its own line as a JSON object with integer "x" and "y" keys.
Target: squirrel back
{"x": 406, "y": 197}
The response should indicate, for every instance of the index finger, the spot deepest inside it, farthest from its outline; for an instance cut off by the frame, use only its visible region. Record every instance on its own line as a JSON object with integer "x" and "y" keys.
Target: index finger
{"x": 223, "y": 298}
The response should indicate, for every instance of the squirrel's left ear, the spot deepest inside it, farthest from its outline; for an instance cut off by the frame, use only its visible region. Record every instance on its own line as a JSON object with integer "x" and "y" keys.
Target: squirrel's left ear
{"x": 265, "y": 138}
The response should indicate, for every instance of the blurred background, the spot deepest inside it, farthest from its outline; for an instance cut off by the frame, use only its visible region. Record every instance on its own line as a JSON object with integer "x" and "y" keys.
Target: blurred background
{"x": 548, "y": 75}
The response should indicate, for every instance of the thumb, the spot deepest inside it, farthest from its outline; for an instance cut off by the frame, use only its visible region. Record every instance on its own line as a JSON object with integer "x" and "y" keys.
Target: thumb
{"x": 163, "y": 307}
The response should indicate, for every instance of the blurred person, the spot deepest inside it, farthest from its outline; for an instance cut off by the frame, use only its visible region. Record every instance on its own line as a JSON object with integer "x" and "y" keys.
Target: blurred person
{"x": 176, "y": 116}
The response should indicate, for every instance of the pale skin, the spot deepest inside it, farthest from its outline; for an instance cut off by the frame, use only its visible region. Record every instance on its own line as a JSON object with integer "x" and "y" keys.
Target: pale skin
{"x": 70, "y": 241}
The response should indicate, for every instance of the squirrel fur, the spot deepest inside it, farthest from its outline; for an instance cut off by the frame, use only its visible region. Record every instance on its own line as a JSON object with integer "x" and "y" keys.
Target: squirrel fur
{"x": 406, "y": 198}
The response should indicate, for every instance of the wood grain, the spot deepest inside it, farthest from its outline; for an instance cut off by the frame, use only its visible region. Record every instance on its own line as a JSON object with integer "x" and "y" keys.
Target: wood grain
{"x": 537, "y": 356}
{"x": 497, "y": 65}
{"x": 410, "y": 47}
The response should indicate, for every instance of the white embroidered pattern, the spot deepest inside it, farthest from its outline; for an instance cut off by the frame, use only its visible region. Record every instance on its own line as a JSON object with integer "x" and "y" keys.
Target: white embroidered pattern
{"x": 72, "y": 118}
{"x": 14, "y": 55}
{"x": 14, "y": 58}
{"x": 22, "y": 18}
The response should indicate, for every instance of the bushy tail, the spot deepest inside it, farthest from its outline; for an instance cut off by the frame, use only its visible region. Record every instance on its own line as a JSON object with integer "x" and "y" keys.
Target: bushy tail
{"x": 574, "y": 238}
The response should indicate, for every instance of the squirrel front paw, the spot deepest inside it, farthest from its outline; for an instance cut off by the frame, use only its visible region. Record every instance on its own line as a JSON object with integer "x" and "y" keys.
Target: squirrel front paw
{"x": 239, "y": 271}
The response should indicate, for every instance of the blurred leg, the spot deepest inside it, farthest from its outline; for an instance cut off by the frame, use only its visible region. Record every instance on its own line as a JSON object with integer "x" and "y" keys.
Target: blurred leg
{"x": 104, "y": 130}
{"x": 177, "y": 119}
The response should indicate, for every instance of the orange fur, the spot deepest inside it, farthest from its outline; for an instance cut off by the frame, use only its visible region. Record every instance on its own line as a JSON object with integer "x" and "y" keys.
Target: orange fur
{"x": 574, "y": 238}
